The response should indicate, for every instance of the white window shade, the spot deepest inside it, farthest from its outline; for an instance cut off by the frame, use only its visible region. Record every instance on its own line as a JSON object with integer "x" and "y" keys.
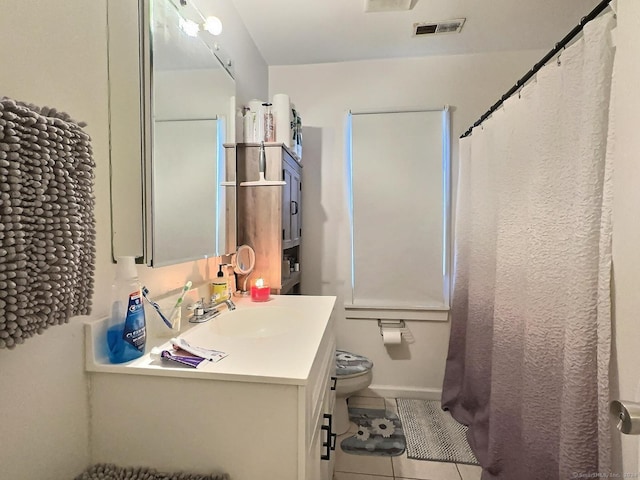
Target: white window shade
{"x": 400, "y": 210}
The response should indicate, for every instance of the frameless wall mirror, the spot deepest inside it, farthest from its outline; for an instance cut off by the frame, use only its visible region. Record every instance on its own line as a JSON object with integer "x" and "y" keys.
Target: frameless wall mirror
{"x": 172, "y": 157}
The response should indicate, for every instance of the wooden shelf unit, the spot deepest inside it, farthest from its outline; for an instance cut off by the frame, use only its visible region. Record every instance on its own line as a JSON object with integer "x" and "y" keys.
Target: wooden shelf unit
{"x": 270, "y": 217}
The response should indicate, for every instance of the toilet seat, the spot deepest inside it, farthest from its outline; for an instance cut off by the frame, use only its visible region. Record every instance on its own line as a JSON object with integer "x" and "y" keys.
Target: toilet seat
{"x": 350, "y": 365}
{"x": 353, "y": 373}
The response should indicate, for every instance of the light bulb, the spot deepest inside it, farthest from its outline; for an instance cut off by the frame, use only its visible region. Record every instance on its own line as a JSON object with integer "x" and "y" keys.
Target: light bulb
{"x": 189, "y": 27}
{"x": 213, "y": 25}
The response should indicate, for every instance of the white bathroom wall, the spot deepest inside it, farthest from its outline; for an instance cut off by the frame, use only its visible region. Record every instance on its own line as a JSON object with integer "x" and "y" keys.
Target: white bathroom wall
{"x": 626, "y": 223}
{"x": 323, "y": 94}
{"x": 250, "y": 70}
{"x": 43, "y": 396}
{"x": 54, "y": 53}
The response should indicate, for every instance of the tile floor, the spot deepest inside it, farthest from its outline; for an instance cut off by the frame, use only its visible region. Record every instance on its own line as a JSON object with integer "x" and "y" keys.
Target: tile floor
{"x": 366, "y": 467}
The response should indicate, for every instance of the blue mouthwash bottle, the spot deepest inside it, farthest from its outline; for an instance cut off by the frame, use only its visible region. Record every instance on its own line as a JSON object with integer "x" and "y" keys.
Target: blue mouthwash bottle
{"x": 127, "y": 332}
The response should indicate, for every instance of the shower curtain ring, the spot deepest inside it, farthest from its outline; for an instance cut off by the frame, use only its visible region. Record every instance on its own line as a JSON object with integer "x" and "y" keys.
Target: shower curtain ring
{"x": 559, "y": 55}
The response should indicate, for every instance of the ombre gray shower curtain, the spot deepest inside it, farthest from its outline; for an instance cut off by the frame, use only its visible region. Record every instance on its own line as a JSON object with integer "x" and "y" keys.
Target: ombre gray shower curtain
{"x": 529, "y": 350}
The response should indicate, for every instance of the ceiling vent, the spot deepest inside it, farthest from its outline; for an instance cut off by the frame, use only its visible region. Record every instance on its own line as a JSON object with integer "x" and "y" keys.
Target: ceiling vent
{"x": 431, "y": 28}
{"x": 388, "y": 5}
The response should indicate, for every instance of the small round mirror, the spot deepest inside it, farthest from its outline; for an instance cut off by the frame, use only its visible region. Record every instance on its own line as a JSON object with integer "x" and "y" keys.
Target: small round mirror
{"x": 245, "y": 260}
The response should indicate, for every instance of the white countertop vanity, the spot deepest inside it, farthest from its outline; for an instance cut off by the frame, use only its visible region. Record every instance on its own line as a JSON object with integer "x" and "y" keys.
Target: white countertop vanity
{"x": 264, "y": 411}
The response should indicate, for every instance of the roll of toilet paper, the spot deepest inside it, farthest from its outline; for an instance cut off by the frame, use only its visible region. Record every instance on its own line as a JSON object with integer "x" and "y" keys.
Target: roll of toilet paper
{"x": 282, "y": 114}
{"x": 231, "y": 124}
{"x": 255, "y": 104}
{"x": 391, "y": 336}
{"x": 247, "y": 121}
{"x": 257, "y": 110}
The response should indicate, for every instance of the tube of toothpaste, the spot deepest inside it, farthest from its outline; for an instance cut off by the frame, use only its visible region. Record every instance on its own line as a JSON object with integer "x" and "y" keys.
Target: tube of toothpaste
{"x": 188, "y": 360}
{"x": 177, "y": 356}
{"x": 206, "y": 353}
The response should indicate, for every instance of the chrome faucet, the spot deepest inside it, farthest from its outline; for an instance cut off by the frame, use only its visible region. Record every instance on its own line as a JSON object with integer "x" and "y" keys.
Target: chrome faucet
{"x": 228, "y": 302}
{"x": 203, "y": 312}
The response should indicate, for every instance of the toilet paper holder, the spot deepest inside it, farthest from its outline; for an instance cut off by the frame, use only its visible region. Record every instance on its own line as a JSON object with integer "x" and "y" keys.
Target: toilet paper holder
{"x": 628, "y": 416}
{"x": 390, "y": 324}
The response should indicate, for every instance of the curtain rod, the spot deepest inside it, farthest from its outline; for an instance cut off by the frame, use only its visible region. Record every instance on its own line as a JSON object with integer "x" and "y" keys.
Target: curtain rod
{"x": 559, "y": 46}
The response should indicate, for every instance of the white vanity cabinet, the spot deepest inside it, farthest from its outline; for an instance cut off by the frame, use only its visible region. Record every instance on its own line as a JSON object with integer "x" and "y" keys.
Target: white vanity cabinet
{"x": 250, "y": 418}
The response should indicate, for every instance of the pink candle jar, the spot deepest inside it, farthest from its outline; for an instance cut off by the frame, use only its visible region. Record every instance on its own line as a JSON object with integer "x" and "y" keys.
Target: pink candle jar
{"x": 260, "y": 292}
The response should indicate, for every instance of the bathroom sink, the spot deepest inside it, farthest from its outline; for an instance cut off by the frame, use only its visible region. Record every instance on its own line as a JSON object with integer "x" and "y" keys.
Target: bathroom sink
{"x": 256, "y": 322}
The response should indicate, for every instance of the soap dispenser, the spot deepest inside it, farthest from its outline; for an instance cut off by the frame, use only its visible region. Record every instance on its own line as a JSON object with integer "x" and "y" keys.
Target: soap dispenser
{"x": 219, "y": 287}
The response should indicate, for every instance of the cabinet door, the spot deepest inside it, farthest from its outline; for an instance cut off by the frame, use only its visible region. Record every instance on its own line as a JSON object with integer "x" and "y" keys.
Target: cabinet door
{"x": 315, "y": 468}
{"x": 291, "y": 208}
{"x": 321, "y": 458}
{"x": 295, "y": 205}
{"x": 286, "y": 207}
{"x": 327, "y": 467}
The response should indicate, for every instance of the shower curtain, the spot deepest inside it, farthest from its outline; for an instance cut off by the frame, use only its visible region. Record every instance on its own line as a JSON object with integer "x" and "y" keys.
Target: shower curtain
{"x": 528, "y": 360}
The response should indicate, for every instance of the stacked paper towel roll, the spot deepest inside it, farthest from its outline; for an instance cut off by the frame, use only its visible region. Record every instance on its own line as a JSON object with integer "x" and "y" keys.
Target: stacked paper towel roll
{"x": 247, "y": 126}
{"x": 283, "y": 117}
{"x": 254, "y": 124}
{"x": 231, "y": 124}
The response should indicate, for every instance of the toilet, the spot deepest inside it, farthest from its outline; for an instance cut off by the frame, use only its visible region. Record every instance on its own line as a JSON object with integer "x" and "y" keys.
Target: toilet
{"x": 353, "y": 373}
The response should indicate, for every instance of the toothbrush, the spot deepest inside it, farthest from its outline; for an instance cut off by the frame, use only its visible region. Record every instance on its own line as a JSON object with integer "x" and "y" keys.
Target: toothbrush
{"x": 145, "y": 294}
{"x": 179, "y": 302}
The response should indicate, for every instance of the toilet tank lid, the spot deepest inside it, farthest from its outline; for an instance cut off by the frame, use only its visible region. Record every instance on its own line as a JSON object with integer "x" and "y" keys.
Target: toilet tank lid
{"x": 348, "y": 363}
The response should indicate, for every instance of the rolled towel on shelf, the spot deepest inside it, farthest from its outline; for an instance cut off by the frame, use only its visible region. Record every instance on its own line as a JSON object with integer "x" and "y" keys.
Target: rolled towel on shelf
{"x": 257, "y": 111}
{"x": 283, "y": 118}
{"x": 231, "y": 123}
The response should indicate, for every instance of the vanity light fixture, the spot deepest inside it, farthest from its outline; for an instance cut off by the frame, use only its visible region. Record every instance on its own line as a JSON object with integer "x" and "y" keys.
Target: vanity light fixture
{"x": 189, "y": 27}
{"x": 213, "y": 25}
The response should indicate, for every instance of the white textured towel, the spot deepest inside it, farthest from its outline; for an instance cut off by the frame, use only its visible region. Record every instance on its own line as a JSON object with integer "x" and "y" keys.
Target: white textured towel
{"x": 283, "y": 118}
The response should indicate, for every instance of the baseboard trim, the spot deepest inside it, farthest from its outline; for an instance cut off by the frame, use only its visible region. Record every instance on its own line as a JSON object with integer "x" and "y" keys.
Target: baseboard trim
{"x": 396, "y": 391}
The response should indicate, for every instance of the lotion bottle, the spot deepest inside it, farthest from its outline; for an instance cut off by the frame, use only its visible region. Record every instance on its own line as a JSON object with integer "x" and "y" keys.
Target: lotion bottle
{"x": 127, "y": 331}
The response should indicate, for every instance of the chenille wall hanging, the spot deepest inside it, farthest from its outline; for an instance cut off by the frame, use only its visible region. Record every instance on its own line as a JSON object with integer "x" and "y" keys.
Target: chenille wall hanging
{"x": 47, "y": 222}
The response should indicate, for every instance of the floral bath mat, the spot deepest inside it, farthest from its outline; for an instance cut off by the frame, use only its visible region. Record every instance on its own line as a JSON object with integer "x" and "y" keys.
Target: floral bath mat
{"x": 379, "y": 433}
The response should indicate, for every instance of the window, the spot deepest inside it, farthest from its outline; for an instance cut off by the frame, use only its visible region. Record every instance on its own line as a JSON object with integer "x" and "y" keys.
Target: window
{"x": 400, "y": 209}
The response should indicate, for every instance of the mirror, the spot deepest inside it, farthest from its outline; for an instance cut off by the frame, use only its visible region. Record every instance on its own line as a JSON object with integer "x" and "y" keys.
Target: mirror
{"x": 180, "y": 206}
{"x": 191, "y": 93}
{"x": 244, "y": 262}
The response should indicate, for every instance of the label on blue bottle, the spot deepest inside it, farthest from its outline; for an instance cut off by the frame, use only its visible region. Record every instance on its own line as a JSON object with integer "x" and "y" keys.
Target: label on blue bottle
{"x": 135, "y": 331}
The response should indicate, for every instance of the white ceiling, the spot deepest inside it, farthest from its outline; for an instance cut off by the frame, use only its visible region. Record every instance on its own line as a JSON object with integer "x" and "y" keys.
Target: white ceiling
{"x": 292, "y": 32}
